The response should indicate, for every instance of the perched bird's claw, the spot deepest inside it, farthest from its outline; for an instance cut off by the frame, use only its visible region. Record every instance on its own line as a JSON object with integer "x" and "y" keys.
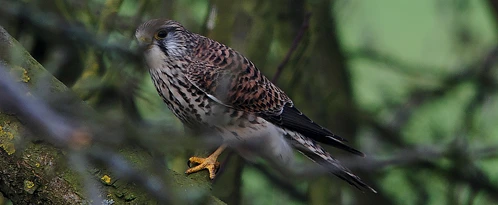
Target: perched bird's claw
{"x": 189, "y": 163}
{"x": 208, "y": 163}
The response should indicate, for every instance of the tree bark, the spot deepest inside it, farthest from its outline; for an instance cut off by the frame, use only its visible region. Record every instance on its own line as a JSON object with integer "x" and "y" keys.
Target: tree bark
{"x": 36, "y": 172}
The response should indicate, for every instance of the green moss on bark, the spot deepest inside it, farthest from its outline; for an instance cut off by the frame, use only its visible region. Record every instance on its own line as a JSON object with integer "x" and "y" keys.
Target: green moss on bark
{"x": 38, "y": 173}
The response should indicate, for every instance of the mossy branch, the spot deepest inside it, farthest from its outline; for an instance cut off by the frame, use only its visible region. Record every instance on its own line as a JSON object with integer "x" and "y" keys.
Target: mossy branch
{"x": 34, "y": 171}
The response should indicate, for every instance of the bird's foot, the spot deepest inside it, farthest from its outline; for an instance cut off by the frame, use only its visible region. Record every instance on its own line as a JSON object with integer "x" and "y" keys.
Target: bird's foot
{"x": 208, "y": 163}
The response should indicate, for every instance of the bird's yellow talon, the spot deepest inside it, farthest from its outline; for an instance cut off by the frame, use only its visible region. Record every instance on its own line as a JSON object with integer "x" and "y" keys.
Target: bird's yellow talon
{"x": 208, "y": 163}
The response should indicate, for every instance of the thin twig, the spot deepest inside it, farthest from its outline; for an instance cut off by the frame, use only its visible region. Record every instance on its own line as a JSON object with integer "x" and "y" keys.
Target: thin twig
{"x": 295, "y": 43}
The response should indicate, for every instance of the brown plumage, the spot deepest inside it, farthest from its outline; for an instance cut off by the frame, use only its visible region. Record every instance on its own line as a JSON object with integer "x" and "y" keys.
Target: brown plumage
{"x": 213, "y": 88}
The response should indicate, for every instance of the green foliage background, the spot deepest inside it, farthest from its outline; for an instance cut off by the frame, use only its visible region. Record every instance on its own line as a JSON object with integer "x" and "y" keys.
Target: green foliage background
{"x": 400, "y": 79}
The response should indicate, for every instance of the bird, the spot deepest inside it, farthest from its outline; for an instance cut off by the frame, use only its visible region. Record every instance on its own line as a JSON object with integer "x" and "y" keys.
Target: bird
{"x": 213, "y": 88}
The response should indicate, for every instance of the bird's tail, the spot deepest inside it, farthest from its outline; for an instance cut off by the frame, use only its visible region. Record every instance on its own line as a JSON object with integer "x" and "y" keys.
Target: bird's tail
{"x": 317, "y": 154}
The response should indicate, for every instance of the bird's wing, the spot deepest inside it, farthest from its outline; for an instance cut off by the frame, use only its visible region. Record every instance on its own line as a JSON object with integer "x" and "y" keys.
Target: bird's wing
{"x": 293, "y": 119}
{"x": 230, "y": 79}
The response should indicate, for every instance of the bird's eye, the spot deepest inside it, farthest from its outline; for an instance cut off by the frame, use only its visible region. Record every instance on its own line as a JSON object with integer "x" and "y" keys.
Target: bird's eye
{"x": 161, "y": 34}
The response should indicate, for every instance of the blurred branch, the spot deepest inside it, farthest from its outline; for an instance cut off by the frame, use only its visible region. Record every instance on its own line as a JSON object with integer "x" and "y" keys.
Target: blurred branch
{"x": 101, "y": 54}
{"x": 285, "y": 185}
{"x": 95, "y": 57}
{"x": 463, "y": 159}
{"x": 40, "y": 119}
{"x": 480, "y": 67}
{"x": 42, "y": 171}
{"x": 479, "y": 72}
{"x": 295, "y": 43}
{"x": 427, "y": 157}
{"x": 397, "y": 65}
{"x": 60, "y": 27}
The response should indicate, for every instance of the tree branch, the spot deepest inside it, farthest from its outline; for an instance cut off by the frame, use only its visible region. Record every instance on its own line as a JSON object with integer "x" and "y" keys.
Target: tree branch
{"x": 295, "y": 43}
{"x": 40, "y": 172}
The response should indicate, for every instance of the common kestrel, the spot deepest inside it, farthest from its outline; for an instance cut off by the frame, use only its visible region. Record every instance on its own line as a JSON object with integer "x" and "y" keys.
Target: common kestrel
{"x": 212, "y": 88}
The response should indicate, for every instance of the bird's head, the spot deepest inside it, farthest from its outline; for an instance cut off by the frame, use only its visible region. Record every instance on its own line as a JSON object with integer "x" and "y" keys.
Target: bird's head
{"x": 165, "y": 35}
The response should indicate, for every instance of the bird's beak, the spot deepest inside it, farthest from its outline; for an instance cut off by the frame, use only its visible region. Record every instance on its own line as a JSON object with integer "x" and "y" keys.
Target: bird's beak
{"x": 143, "y": 42}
